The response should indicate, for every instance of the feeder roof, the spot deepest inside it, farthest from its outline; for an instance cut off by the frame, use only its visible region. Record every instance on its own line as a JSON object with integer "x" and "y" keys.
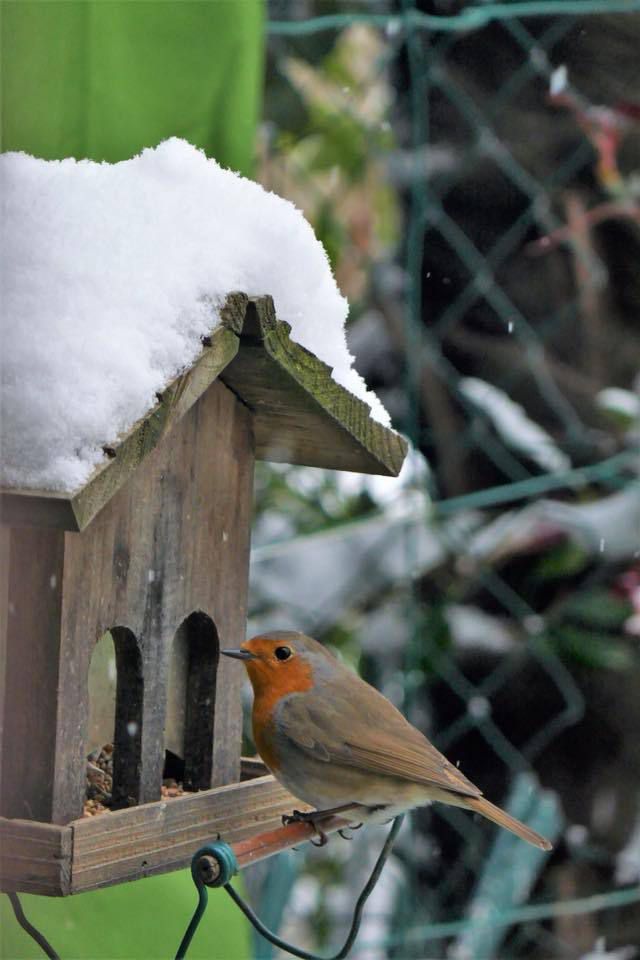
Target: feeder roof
{"x": 301, "y": 415}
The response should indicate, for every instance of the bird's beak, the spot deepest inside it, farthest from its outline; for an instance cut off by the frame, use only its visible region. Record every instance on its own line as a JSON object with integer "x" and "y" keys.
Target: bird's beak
{"x": 239, "y": 654}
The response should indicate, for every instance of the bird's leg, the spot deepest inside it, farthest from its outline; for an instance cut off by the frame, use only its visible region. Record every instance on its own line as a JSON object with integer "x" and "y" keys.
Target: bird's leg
{"x": 314, "y": 817}
{"x": 297, "y": 816}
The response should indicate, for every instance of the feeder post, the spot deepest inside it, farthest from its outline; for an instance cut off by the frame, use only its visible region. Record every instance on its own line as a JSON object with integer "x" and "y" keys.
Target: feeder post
{"x": 32, "y": 579}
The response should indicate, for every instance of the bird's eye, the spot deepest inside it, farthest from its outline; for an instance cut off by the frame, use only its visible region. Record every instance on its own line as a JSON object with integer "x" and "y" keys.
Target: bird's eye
{"x": 283, "y": 653}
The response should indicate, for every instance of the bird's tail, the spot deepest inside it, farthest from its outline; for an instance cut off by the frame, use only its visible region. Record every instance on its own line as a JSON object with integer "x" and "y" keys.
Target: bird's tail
{"x": 491, "y": 812}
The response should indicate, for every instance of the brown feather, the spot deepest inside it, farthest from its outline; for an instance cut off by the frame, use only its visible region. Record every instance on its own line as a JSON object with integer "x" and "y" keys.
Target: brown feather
{"x": 360, "y": 728}
{"x": 491, "y": 812}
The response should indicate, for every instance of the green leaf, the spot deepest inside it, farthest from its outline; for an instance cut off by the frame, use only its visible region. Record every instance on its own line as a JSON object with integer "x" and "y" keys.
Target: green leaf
{"x": 597, "y": 608}
{"x": 595, "y": 650}
{"x": 565, "y": 560}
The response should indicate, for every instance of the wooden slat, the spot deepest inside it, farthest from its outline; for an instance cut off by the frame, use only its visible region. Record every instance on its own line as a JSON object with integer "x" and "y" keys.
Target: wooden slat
{"x": 159, "y": 837}
{"x": 37, "y": 508}
{"x": 35, "y": 857}
{"x": 31, "y": 672}
{"x": 301, "y": 415}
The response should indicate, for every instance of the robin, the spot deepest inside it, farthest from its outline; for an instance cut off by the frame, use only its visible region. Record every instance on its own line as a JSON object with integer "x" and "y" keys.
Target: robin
{"x": 339, "y": 745}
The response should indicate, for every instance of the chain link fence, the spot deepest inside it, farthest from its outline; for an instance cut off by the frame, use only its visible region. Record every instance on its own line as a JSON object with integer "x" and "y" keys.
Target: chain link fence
{"x": 473, "y": 172}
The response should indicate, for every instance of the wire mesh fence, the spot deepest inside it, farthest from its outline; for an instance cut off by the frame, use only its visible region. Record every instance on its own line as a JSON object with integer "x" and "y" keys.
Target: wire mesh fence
{"x": 473, "y": 172}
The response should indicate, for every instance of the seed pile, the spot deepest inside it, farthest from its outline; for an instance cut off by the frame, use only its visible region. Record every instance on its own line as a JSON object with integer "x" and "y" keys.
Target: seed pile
{"x": 99, "y": 780}
{"x": 171, "y": 788}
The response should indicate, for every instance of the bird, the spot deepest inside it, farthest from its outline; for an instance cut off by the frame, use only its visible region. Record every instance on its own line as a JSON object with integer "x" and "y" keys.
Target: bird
{"x": 338, "y": 744}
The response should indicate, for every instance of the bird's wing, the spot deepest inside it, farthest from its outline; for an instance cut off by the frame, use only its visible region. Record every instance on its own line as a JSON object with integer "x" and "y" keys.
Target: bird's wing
{"x": 365, "y": 730}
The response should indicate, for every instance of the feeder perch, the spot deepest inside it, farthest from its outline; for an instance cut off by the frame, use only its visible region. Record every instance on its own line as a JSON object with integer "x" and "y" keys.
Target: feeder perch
{"x": 174, "y": 497}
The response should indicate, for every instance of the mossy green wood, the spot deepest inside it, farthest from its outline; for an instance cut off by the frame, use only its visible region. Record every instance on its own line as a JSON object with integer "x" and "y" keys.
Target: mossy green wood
{"x": 301, "y": 416}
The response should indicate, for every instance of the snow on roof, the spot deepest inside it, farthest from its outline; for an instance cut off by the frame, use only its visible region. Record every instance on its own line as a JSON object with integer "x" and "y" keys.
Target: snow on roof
{"x": 107, "y": 279}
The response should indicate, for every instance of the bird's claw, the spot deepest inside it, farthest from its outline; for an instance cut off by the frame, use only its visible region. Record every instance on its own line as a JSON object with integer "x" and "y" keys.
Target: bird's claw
{"x": 311, "y": 816}
{"x": 345, "y": 832}
{"x": 322, "y": 838}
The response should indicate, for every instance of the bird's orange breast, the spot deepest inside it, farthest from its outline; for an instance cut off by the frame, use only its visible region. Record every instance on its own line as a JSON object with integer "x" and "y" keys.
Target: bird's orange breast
{"x": 269, "y": 688}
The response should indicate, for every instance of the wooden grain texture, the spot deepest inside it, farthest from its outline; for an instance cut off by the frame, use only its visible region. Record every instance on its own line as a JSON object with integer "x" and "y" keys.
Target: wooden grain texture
{"x": 75, "y": 512}
{"x": 301, "y": 415}
{"x": 36, "y": 508}
{"x": 31, "y": 671}
{"x": 173, "y": 540}
{"x": 156, "y": 838}
{"x": 35, "y": 857}
{"x": 5, "y": 548}
{"x": 159, "y": 837}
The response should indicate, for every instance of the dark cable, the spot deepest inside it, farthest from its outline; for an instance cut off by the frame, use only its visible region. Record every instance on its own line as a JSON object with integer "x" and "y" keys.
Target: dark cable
{"x": 357, "y": 913}
{"x": 42, "y": 942}
{"x": 219, "y": 851}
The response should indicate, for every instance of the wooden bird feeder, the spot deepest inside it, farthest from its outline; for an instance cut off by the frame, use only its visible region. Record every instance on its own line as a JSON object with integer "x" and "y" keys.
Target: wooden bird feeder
{"x": 156, "y": 541}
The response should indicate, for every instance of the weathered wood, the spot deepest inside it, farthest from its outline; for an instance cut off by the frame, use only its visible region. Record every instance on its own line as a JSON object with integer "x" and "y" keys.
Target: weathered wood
{"x": 35, "y": 857}
{"x": 5, "y": 548}
{"x": 158, "y": 837}
{"x": 173, "y": 540}
{"x": 37, "y": 508}
{"x": 301, "y": 415}
{"x": 31, "y": 672}
{"x": 75, "y": 512}
{"x": 233, "y": 313}
{"x": 155, "y": 838}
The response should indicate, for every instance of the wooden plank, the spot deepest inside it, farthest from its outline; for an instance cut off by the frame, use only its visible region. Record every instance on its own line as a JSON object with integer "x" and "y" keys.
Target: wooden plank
{"x": 159, "y": 837}
{"x": 301, "y": 415}
{"x": 35, "y": 857}
{"x": 75, "y": 512}
{"x": 31, "y": 672}
{"x": 37, "y": 508}
{"x": 5, "y": 548}
{"x": 172, "y": 541}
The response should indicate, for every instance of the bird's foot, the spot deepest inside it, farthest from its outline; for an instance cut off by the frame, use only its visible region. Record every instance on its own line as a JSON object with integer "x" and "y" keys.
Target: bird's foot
{"x": 346, "y": 832}
{"x": 298, "y": 816}
{"x": 321, "y": 839}
{"x": 313, "y": 817}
